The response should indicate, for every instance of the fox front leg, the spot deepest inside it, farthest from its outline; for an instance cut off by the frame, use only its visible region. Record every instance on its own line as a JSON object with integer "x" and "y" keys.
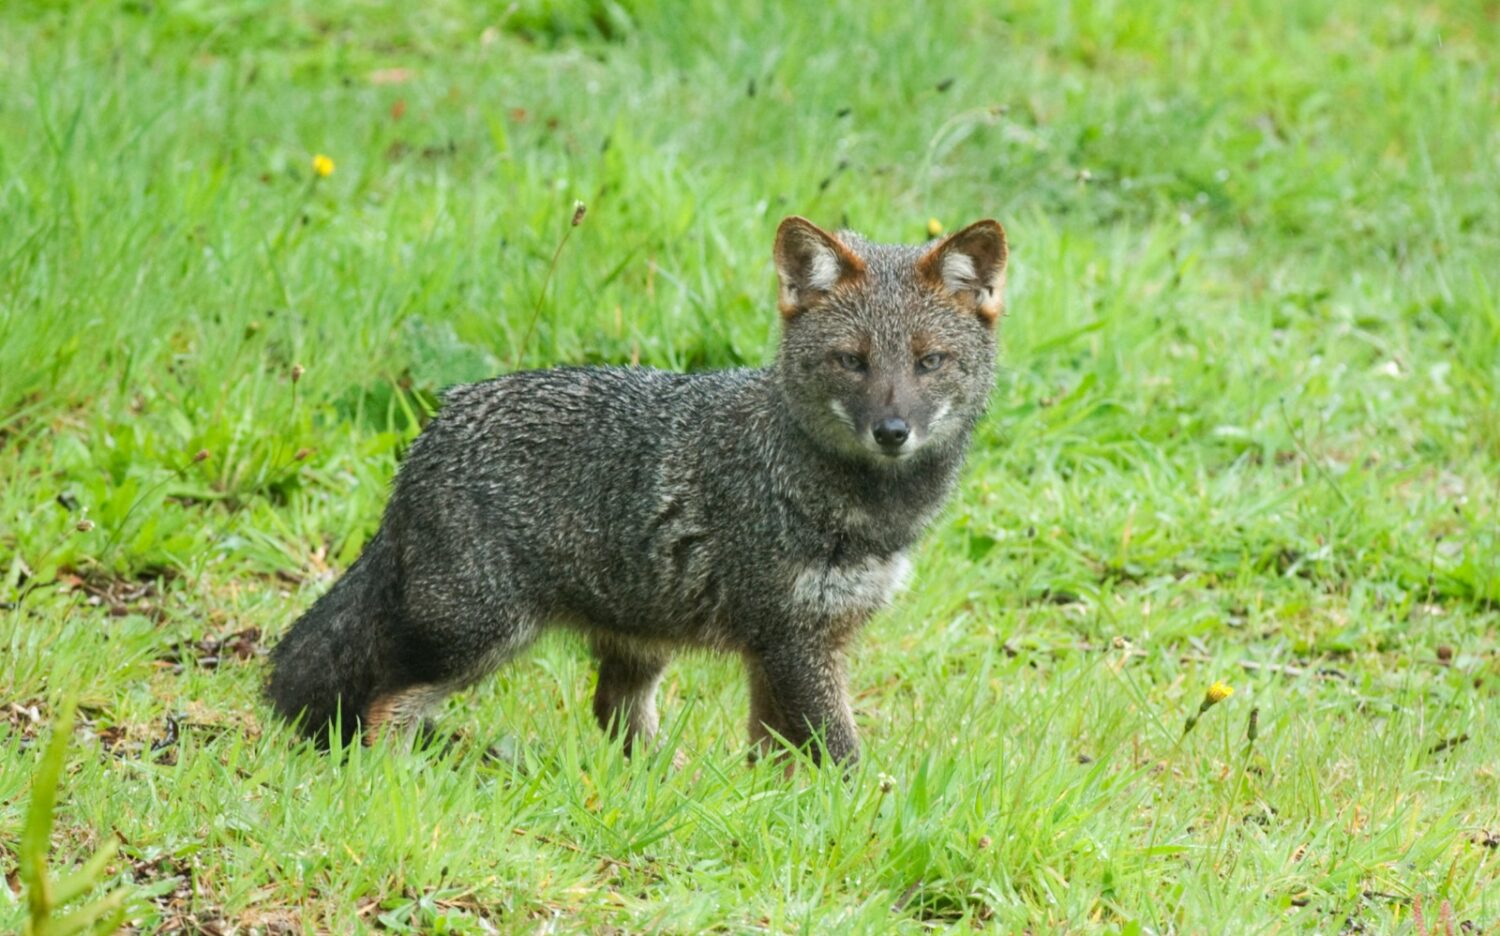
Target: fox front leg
{"x": 625, "y": 698}
{"x": 766, "y": 720}
{"x": 800, "y": 692}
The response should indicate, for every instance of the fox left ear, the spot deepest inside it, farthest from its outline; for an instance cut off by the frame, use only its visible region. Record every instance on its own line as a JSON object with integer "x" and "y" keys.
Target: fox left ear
{"x": 970, "y": 266}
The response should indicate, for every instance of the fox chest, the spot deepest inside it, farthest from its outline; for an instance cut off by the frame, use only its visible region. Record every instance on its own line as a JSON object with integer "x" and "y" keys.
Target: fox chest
{"x": 856, "y": 587}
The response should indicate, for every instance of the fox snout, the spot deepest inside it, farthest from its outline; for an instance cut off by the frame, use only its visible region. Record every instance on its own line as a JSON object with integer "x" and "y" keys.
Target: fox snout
{"x": 894, "y": 410}
{"x": 890, "y": 425}
{"x": 890, "y": 428}
{"x": 891, "y": 434}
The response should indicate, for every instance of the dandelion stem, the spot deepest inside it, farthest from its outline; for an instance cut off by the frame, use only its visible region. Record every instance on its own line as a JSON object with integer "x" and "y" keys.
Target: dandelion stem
{"x": 579, "y": 210}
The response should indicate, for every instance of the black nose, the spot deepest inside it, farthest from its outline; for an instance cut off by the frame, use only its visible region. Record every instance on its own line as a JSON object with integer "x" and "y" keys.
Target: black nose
{"x": 891, "y": 432}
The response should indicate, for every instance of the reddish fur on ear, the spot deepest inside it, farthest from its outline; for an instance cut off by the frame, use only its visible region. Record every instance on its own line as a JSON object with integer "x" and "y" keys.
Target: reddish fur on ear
{"x": 810, "y": 262}
{"x": 969, "y": 265}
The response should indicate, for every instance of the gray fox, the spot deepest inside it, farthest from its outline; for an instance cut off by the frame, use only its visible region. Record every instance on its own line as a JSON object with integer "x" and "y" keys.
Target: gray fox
{"x": 762, "y": 512}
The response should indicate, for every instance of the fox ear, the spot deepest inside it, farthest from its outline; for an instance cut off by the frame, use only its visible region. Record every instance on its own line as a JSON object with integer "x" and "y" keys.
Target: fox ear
{"x": 970, "y": 266}
{"x": 810, "y": 262}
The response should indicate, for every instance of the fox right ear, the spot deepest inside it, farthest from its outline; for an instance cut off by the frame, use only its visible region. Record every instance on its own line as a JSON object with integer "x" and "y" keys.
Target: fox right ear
{"x": 810, "y": 262}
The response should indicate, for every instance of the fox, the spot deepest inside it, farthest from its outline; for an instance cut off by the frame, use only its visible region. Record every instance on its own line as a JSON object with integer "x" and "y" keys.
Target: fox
{"x": 764, "y": 512}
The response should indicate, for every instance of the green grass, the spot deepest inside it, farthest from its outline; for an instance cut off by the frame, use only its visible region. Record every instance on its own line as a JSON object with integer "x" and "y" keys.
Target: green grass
{"x": 1247, "y": 428}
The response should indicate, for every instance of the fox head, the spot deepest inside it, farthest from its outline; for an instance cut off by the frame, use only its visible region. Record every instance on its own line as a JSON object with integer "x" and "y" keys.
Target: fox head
{"x": 887, "y": 351}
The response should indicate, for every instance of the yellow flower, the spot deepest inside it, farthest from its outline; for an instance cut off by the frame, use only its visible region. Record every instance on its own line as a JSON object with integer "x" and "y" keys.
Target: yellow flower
{"x": 322, "y": 166}
{"x": 934, "y": 227}
{"x": 1217, "y": 693}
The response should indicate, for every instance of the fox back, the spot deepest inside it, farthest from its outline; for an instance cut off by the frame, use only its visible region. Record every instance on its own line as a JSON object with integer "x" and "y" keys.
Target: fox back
{"x": 761, "y": 512}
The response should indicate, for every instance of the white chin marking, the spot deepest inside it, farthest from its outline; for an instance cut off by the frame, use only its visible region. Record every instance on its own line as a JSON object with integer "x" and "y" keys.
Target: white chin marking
{"x": 887, "y": 456}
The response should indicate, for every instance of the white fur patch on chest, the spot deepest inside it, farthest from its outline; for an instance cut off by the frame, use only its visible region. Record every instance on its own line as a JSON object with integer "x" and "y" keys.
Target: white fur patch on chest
{"x": 861, "y": 586}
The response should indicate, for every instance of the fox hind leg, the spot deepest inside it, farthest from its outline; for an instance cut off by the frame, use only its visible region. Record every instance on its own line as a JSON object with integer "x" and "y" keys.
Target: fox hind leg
{"x": 441, "y": 660}
{"x": 402, "y": 713}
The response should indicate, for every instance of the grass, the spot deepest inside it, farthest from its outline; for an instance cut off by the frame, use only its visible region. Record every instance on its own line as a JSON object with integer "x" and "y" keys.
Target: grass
{"x": 1247, "y": 429}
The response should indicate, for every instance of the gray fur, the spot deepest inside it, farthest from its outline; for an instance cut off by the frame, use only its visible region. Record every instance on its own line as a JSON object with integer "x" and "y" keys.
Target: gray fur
{"x": 739, "y": 511}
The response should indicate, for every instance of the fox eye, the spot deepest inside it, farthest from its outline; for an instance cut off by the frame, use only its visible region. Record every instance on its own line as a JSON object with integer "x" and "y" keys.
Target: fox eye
{"x": 928, "y": 363}
{"x": 850, "y": 361}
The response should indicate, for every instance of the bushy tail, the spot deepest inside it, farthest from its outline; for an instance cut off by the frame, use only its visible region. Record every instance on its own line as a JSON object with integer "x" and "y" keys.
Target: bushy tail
{"x": 337, "y": 656}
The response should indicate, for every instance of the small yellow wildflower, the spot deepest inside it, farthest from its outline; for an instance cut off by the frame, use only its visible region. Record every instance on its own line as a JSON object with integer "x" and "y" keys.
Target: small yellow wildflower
{"x": 934, "y": 227}
{"x": 322, "y": 166}
{"x": 1217, "y": 693}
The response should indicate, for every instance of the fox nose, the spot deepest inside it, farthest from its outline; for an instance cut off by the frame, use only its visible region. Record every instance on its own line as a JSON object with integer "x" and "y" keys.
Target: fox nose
{"x": 891, "y": 433}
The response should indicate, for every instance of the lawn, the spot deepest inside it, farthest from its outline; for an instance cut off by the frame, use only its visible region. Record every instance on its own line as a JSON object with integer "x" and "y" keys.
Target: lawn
{"x": 1246, "y": 429}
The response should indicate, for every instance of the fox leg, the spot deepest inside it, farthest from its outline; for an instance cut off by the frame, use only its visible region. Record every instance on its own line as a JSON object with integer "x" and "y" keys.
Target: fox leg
{"x": 765, "y": 717}
{"x": 436, "y": 657}
{"x": 402, "y": 712}
{"x": 625, "y": 698}
{"x": 806, "y": 697}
